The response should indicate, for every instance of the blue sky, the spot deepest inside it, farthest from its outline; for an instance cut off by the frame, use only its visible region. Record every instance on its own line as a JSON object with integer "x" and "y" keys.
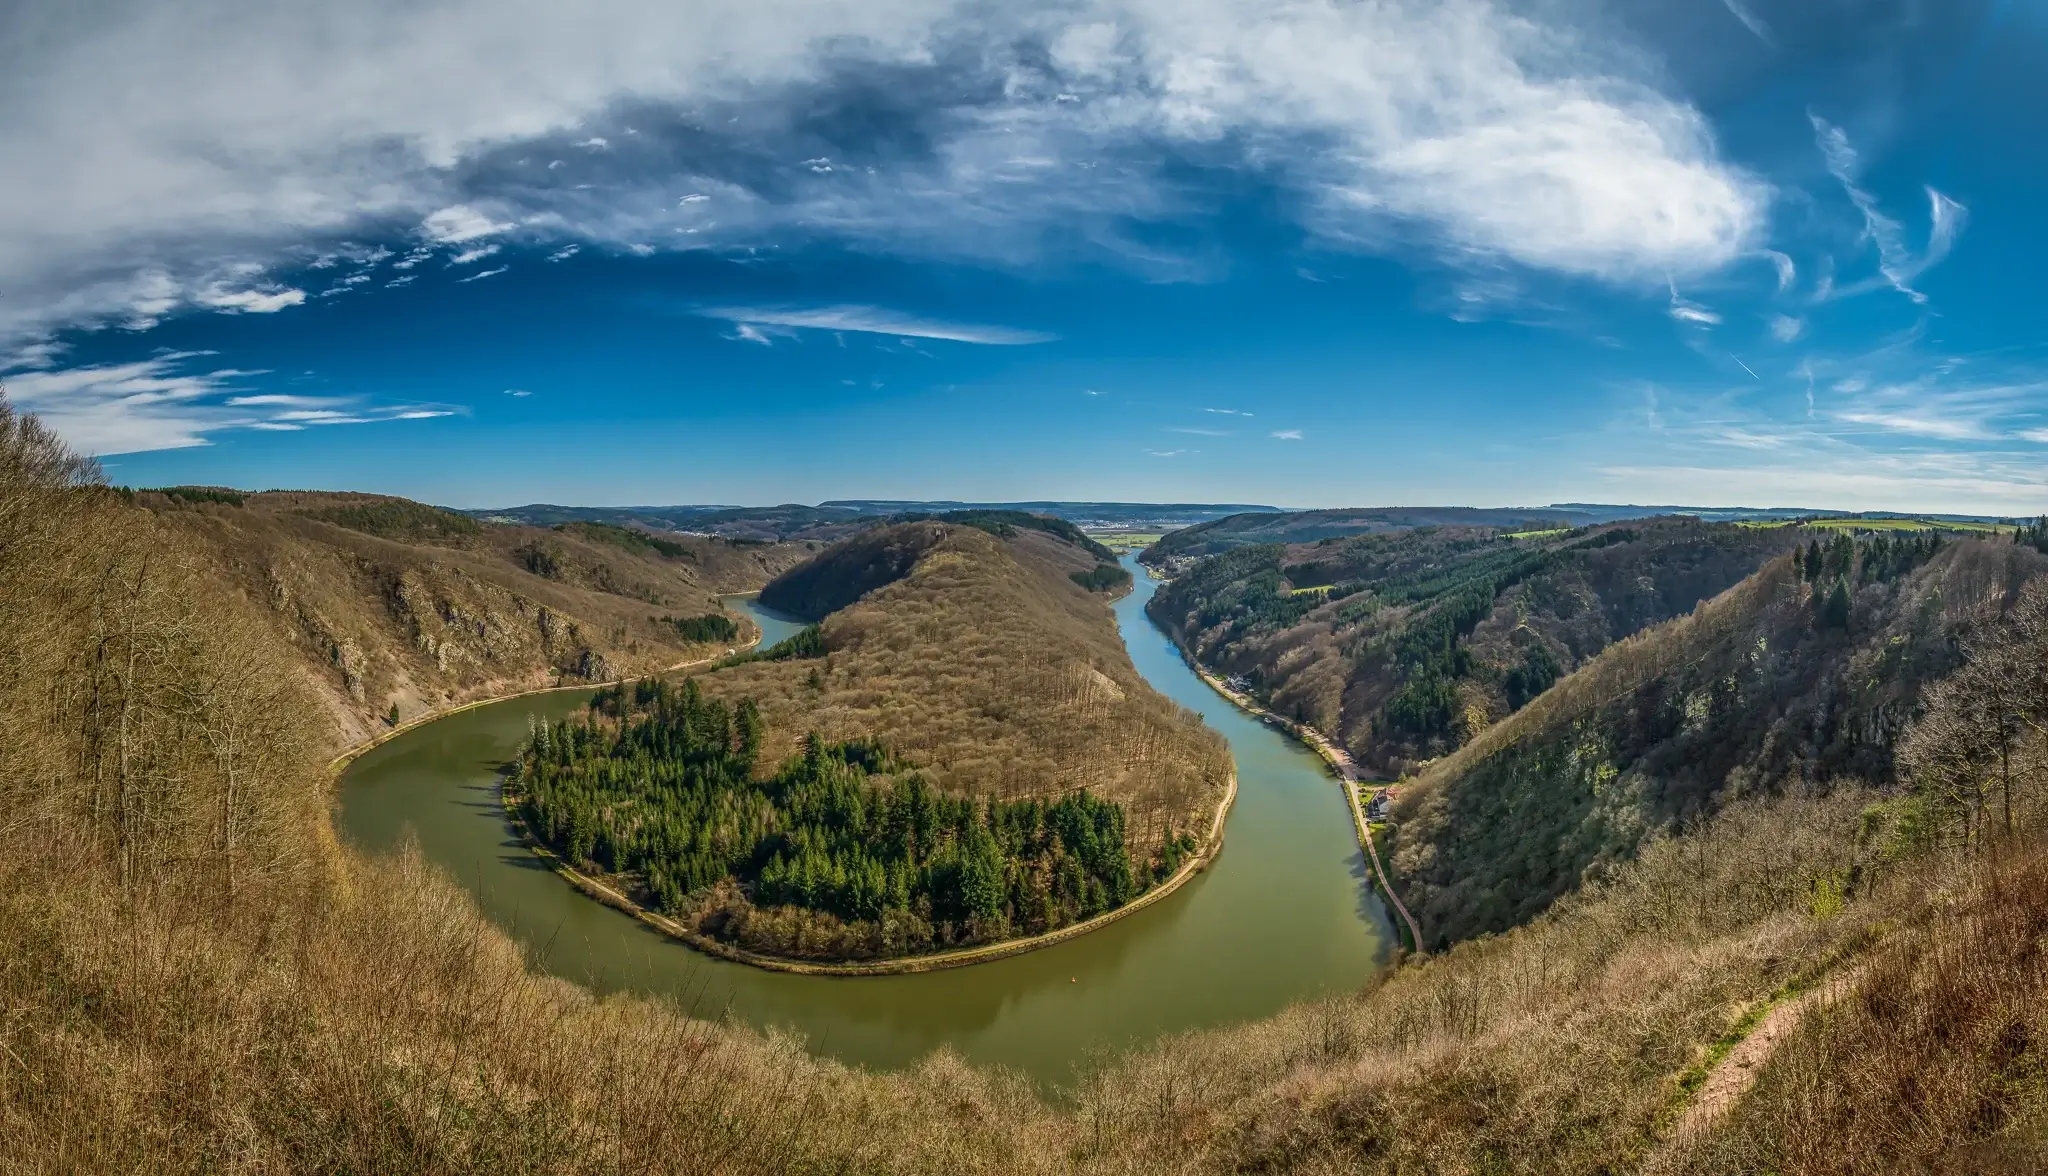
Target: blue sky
{"x": 1304, "y": 253}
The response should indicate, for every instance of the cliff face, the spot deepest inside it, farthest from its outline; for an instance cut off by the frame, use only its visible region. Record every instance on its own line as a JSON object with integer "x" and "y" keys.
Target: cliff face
{"x": 389, "y": 603}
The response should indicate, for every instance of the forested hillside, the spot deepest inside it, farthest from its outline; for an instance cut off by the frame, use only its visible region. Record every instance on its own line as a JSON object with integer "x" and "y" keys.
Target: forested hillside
{"x": 388, "y": 603}
{"x": 1314, "y": 526}
{"x": 1404, "y": 645}
{"x": 1801, "y": 680}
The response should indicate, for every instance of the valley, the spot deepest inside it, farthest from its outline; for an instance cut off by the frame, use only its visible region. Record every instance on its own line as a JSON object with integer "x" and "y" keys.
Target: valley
{"x": 1782, "y": 768}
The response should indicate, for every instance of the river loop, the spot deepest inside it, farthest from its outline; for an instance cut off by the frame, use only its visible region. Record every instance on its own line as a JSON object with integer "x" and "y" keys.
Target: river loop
{"x": 1285, "y": 913}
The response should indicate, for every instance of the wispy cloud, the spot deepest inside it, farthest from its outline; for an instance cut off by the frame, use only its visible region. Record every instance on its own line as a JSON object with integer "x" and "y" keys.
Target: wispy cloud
{"x": 1227, "y": 412}
{"x": 478, "y": 277}
{"x": 1287, "y": 434}
{"x": 460, "y": 223}
{"x": 168, "y": 402}
{"x": 1751, "y": 21}
{"x": 1786, "y": 328}
{"x": 871, "y": 320}
{"x": 1897, "y": 265}
{"x": 1199, "y": 432}
{"x": 1691, "y": 312}
{"x": 1919, "y": 425}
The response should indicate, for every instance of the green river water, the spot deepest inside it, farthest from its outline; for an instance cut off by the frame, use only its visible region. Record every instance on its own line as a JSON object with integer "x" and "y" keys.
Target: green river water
{"x": 1284, "y": 913}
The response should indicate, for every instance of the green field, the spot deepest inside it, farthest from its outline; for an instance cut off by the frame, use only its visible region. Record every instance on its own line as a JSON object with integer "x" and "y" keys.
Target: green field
{"x": 1904, "y": 525}
{"x": 1125, "y": 540}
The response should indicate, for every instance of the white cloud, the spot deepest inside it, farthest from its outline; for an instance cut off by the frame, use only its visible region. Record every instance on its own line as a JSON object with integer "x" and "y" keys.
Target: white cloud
{"x": 1227, "y": 412}
{"x": 1942, "y": 428}
{"x": 1787, "y": 271}
{"x": 274, "y": 400}
{"x": 41, "y": 353}
{"x": 469, "y": 255}
{"x": 594, "y": 143}
{"x": 459, "y": 223}
{"x": 2038, "y": 436}
{"x": 517, "y": 392}
{"x": 163, "y": 402}
{"x": 1470, "y": 128}
{"x": 1751, "y": 22}
{"x": 872, "y": 320}
{"x": 1785, "y": 328}
{"x": 1897, "y": 266}
{"x": 1200, "y": 432}
{"x": 478, "y": 277}
{"x": 1287, "y": 434}
{"x": 1691, "y": 312}
{"x": 565, "y": 253}
{"x": 1686, "y": 312}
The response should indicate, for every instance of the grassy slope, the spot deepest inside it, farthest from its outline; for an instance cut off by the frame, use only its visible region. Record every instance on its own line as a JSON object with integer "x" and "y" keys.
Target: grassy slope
{"x": 385, "y": 600}
{"x": 1746, "y": 695}
{"x": 980, "y": 660}
{"x": 1336, "y": 662}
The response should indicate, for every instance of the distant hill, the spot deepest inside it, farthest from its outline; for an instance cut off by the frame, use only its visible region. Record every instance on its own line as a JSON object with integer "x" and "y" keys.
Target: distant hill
{"x": 1311, "y": 526}
{"x": 1307, "y": 526}
{"x": 830, "y": 521}
{"x": 1094, "y": 515}
{"x": 760, "y": 524}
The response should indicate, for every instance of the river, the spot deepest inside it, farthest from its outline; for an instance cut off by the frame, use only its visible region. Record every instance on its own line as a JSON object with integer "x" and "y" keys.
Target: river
{"x": 1283, "y": 914}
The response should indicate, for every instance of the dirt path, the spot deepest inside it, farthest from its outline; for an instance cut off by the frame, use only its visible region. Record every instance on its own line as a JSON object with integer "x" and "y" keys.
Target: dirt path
{"x": 1734, "y": 1075}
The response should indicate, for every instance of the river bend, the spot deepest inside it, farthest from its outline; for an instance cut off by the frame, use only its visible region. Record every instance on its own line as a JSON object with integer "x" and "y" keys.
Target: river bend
{"x": 1283, "y": 914}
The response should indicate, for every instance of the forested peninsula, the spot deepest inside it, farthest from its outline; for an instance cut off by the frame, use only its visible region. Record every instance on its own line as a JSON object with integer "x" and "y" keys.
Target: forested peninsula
{"x": 840, "y": 853}
{"x": 955, "y": 753}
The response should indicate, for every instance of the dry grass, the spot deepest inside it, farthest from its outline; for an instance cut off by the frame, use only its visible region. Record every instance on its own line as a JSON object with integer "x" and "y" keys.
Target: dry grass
{"x": 993, "y": 671}
{"x": 195, "y": 978}
{"x": 1935, "y": 1060}
{"x": 428, "y": 620}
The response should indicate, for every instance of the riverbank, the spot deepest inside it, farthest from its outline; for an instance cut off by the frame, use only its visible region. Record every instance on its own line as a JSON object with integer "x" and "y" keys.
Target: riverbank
{"x": 1337, "y": 758}
{"x": 900, "y": 966}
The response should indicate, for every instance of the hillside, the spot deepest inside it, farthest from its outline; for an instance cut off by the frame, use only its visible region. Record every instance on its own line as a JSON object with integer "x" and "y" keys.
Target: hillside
{"x": 198, "y": 976}
{"x": 389, "y": 603}
{"x": 1800, "y": 680}
{"x": 982, "y": 661}
{"x": 831, "y": 521}
{"x": 1314, "y": 526}
{"x": 957, "y": 754}
{"x": 1403, "y": 645}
